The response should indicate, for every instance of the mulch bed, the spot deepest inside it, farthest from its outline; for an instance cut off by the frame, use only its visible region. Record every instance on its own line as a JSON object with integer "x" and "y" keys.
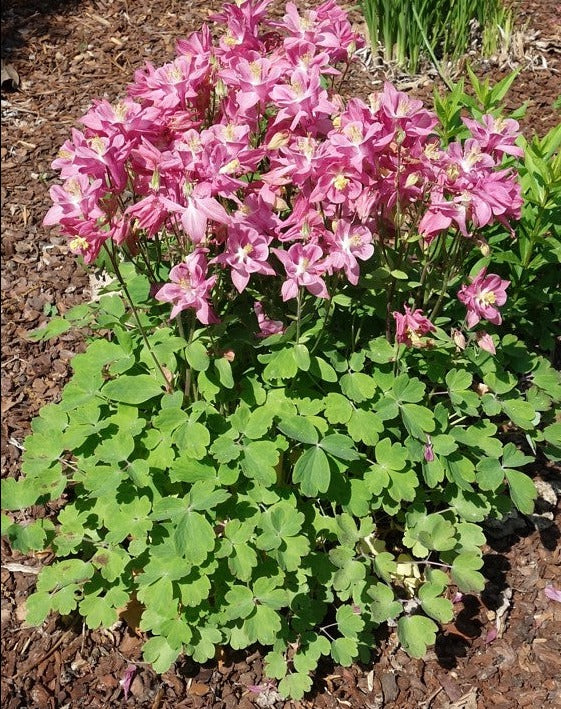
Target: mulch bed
{"x": 502, "y": 650}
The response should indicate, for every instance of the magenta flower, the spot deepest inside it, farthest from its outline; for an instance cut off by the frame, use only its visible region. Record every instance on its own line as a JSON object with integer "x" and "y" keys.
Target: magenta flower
{"x": 246, "y": 253}
{"x": 429, "y": 452}
{"x": 411, "y": 326}
{"x": 482, "y": 297}
{"x": 304, "y": 267}
{"x": 347, "y": 244}
{"x": 189, "y": 288}
{"x": 496, "y": 135}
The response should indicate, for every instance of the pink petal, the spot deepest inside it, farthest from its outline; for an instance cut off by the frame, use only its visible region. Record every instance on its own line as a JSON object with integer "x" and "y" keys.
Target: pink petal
{"x": 553, "y": 593}
{"x": 126, "y": 680}
{"x": 491, "y": 635}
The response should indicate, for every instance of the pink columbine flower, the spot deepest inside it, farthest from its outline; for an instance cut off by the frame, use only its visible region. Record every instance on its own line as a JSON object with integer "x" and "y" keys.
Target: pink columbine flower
{"x": 189, "y": 288}
{"x": 246, "y": 253}
{"x": 482, "y": 297}
{"x": 304, "y": 267}
{"x": 496, "y": 135}
{"x": 411, "y": 326}
{"x": 347, "y": 244}
{"x": 266, "y": 325}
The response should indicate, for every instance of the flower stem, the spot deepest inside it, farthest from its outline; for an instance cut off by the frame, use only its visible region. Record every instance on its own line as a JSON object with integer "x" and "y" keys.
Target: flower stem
{"x": 115, "y": 264}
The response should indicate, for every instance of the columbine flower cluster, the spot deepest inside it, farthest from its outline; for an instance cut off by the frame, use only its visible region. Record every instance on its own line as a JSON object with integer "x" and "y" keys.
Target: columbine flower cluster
{"x": 241, "y": 163}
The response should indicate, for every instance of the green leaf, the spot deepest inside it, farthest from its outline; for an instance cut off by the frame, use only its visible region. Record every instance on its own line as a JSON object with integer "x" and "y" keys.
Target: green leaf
{"x": 418, "y": 420}
{"x": 338, "y": 409}
{"x": 38, "y": 607}
{"x": 339, "y": 446}
{"x": 197, "y": 356}
{"x": 132, "y": 389}
{"x": 434, "y": 604}
{"x": 381, "y": 351}
{"x": 192, "y": 439}
{"x": 224, "y": 449}
{"x": 365, "y": 426}
{"x": 350, "y": 623}
{"x": 224, "y": 369}
{"x": 416, "y": 633}
{"x": 520, "y": 413}
{"x": 522, "y": 491}
{"x": 344, "y": 651}
{"x": 102, "y": 610}
{"x": 458, "y": 380}
{"x": 275, "y": 665}
{"x": 31, "y": 536}
{"x": 241, "y": 602}
{"x": 490, "y": 474}
{"x": 302, "y": 357}
{"x": 18, "y": 494}
{"x": 312, "y": 471}
{"x": 299, "y": 428}
{"x": 322, "y": 370}
{"x": 435, "y": 532}
{"x": 259, "y": 461}
{"x": 194, "y": 537}
{"x": 160, "y": 654}
{"x": 205, "y": 648}
{"x": 465, "y": 572}
{"x": 357, "y": 386}
{"x": 409, "y": 389}
{"x": 384, "y": 607}
{"x": 282, "y": 365}
{"x": 295, "y": 685}
{"x": 264, "y": 625}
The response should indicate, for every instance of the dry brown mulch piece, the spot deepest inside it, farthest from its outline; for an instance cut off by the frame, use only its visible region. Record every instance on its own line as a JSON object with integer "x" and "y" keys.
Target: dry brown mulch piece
{"x": 503, "y": 650}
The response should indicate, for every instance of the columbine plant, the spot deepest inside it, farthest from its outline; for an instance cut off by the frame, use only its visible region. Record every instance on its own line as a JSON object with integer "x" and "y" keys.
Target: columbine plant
{"x": 288, "y": 435}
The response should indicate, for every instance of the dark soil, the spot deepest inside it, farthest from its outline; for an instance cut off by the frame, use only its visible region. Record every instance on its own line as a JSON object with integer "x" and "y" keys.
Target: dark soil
{"x": 67, "y": 52}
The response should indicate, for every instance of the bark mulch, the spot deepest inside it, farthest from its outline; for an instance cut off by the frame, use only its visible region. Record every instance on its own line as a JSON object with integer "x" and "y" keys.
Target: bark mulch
{"x": 504, "y": 647}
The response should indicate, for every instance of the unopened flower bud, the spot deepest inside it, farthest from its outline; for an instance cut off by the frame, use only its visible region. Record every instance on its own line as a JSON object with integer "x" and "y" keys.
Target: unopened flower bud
{"x": 220, "y": 89}
{"x": 155, "y": 181}
{"x": 230, "y": 167}
{"x": 482, "y": 389}
{"x": 485, "y": 341}
{"x": 459, "y": 339}
{"x": 279, "y": 140}
{"x": 483, "y": 246}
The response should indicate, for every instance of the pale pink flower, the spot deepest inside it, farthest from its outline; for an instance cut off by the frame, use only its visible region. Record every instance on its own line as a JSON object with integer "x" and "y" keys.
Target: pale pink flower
{"x": 304, "y": 266}
{"x": 459, "y": 339}
{"x": 485, "y": 341}
{"x": 411, "y": 326}
{"x": 482, "y": 298}
{"x": 189, "y": 288}
{"x": 266, "y": 325}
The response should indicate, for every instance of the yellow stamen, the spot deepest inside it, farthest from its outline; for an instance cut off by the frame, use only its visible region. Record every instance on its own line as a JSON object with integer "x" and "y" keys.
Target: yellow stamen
{"x": 340, "y": 181}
